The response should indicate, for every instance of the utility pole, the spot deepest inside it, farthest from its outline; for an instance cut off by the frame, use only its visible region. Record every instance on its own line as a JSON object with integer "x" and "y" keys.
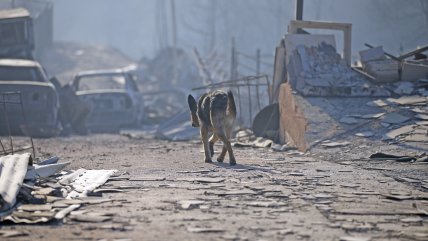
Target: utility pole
{"x": 212, "y": 25}
{"x": 161, "y": 24}
{"x": 174, "y": 42}
{"x": 258, "y": 74}
{"x": 299, "y": 14}
{"x": 233, "y": 62}
{"x": 299, "y": 9}
{"x": 234, "y": 76}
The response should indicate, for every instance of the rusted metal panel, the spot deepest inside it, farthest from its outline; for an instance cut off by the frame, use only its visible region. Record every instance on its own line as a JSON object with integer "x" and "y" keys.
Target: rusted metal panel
{"x": 12, "y": 172}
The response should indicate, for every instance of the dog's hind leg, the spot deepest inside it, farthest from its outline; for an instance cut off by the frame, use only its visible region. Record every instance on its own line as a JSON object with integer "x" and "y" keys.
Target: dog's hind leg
{"x": 204, "y": 137}
{"x": 222, "y": 154}
{"x": 211, "y": 142}
{"x": 228, "y": 146}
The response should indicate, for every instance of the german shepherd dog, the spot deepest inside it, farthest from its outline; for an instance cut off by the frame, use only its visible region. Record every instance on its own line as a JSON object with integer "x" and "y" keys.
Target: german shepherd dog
{"x": 215, "y": 112}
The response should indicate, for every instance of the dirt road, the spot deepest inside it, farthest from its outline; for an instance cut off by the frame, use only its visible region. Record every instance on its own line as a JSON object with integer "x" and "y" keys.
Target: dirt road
{"x": 169, "y": 193}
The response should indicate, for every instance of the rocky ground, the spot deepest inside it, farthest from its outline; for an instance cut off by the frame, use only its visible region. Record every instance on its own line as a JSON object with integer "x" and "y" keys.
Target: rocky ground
{"x": 169, "y": 193}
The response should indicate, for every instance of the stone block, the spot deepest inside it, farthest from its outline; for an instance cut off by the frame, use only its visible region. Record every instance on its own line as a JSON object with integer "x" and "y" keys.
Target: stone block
{"x": 372, "y": 54}
{"x": 383, "y": 70}
{"x": 413, "y": 71}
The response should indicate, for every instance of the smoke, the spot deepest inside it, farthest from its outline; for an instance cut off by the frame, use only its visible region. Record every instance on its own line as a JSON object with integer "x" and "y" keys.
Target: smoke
{"x": 141, "y": 27}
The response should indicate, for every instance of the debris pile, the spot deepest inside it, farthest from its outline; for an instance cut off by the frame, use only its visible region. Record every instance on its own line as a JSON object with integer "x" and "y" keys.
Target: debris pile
{"x": 246, "y": 138}
{"x": 375, "y": 63}
{"x": 411, "y": 127}
{"x": 311, "y": 75}
{"x": 320, "y": 71}
{"x": 39, "y": 193}
{"x": 404, "y": 77}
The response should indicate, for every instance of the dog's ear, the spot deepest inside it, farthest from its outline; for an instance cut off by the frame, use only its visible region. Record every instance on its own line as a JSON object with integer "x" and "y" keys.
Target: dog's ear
{"x": 192, "y": 103}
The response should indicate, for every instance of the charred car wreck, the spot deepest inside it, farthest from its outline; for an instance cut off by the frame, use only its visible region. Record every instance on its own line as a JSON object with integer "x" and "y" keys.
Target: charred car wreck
{"x": 39, "y": 97}
{"x": 16, "y": 34}
{"x": 113, "y": 99}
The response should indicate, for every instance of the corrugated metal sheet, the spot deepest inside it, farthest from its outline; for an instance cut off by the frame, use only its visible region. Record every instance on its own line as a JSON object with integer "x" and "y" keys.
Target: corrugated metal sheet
{"x": 12, "y": 172}
{"x": 84, "y": 181}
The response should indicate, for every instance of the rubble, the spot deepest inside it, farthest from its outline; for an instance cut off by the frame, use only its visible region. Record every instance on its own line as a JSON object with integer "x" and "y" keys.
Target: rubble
{"x": 31, "y": 194}
{"x": 372, "y": 54}
{"x": 335, "y": 144}
{"x": 383, "y": 156}
{"x": 316, "y": 69}
{"x": 413, "y": 71}
{"x": 394, "y": 118}
{"x": 404, "y": 88}
{"x": 320, "y": 110}
{"x": 365, "y": 134}
{"x": 384, "y": 71}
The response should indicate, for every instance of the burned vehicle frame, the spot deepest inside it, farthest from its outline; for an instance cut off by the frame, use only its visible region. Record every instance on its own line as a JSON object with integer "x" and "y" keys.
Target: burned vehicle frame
{"x": 16, "y": 34}
{"x": 39, "y": 97}
{"x": 112, "y": 97}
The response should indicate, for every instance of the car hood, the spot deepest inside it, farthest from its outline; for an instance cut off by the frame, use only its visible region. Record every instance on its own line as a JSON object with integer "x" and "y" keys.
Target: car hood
{"x": 26, "y": 83}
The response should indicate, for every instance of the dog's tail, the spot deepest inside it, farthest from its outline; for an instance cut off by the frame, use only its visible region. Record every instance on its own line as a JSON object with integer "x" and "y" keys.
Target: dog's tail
{"x": 231, "y": 103}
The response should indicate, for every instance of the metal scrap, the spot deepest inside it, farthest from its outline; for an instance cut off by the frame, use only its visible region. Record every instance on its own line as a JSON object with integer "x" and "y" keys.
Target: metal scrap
{"x": 12, "y": 172}
{"x": 44, "y": 203}
{"x": 85, "y": 181}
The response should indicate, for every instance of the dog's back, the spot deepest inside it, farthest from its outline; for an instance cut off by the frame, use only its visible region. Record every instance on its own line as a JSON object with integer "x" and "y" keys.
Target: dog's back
{"x": 215, "y": 112}
{"x": 222, "y": 109}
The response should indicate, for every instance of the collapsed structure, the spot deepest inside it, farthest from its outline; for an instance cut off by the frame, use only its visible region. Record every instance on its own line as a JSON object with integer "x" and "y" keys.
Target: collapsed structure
{"x": 324, "y": 81}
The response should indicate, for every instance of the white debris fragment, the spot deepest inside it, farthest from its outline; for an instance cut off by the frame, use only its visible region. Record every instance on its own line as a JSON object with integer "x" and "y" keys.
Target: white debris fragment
{"x": 405, "y": 88}
{"x": 395, "y": 118}
{"x": 12, "y": 172}
{"x": 348, "y": 120}
{"x": 365, "y": 134}
{"x": 85, "y": 181}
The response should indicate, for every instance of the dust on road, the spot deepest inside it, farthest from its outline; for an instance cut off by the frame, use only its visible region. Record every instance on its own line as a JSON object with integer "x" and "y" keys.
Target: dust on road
{"x": 167, "y": 192}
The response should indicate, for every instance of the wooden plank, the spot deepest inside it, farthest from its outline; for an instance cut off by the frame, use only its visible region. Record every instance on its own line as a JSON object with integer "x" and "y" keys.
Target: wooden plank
{"x": 292, "y": 122}
{"x": 279, "y": 73}
{"x": 410, "y": 54}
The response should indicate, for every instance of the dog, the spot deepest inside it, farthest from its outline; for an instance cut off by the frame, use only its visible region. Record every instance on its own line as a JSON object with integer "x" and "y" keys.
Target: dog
{"x": 215, "y": 112}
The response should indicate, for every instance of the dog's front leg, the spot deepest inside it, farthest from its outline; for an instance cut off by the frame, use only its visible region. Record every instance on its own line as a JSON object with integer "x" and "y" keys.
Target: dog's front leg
{"x": 204, "y": 136}
{"x": 211, "y": 142}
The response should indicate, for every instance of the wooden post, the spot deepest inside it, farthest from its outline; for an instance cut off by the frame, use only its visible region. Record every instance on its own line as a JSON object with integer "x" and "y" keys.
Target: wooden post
{"x": 174, "y": 42}
{"x": 233, "y": 61}
{"x": 249, "y": 100}
{"x": 234, "y": 76}
{"x": 258, "y": 74}
{"x": 299, "y": 9}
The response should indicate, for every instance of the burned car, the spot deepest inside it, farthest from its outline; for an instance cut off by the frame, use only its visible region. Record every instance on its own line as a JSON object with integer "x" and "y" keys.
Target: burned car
{"x": 39, "y": 97}
{"x": 113, "y": 99}
{"x": 16, "y": 34}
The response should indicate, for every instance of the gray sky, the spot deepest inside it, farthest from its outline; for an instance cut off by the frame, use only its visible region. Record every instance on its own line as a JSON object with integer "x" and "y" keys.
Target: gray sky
{"x": 135, "y": 26}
